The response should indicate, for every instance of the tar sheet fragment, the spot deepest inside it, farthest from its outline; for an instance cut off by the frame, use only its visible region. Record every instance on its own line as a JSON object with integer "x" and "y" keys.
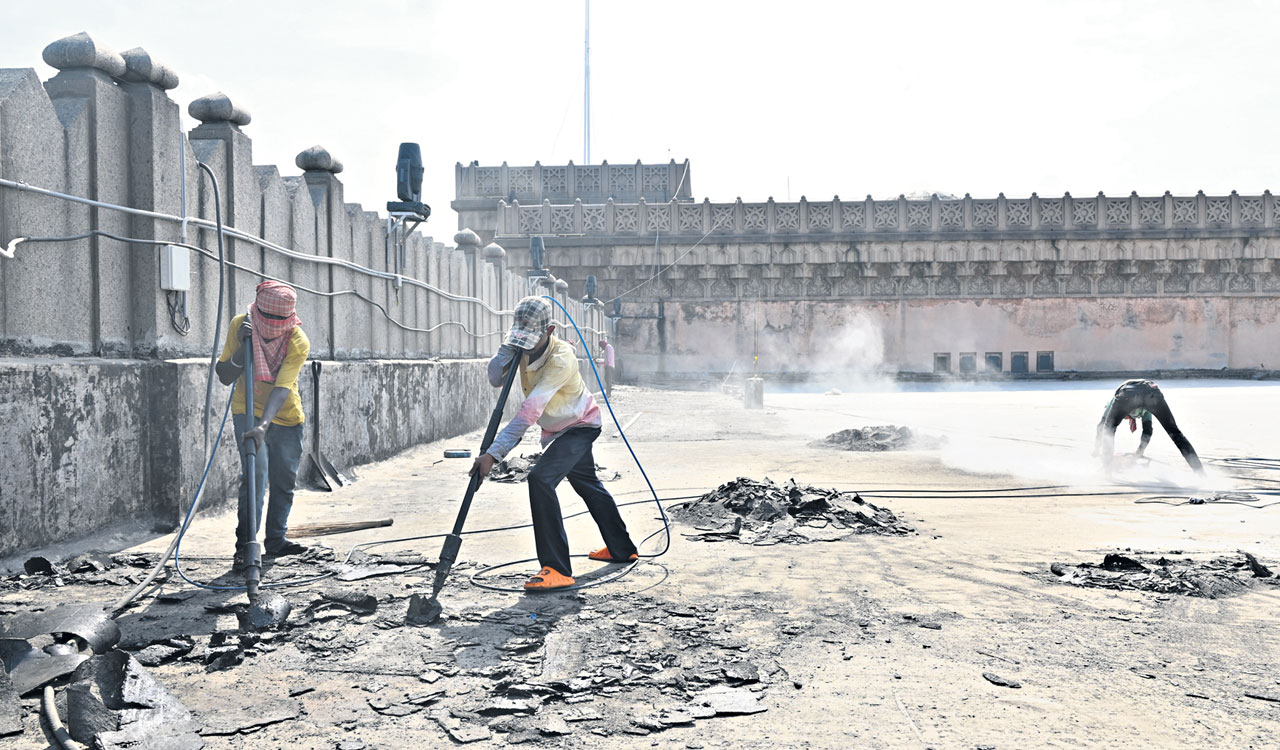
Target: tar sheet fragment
{"x": 10, "y": 708}
{"x": 762, "y": 513}
{"x": 89, "y": 622}
{"x": 516, "y": 470}
{"x": 114, "y": 703}
{"x": 1212, "y": 578}
{"x": 885, "y": 437}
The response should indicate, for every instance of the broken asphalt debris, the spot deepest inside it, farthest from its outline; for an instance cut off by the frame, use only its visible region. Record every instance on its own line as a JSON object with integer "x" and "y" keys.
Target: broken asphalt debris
{"x": 112, "y": 702}
{"x": 886, "y": 437}
{"x": 762, "y": 513}
{"x": 516, "y": 470}
{"x": 1211, "y": 578}
{"x": 996, "y": 679}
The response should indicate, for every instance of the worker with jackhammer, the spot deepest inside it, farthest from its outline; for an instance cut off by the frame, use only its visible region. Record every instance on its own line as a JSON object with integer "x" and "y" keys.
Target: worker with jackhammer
{"x": 1134, "y": 400}
{"x": 275, "y": 429}
{"x": 555, "y": 397}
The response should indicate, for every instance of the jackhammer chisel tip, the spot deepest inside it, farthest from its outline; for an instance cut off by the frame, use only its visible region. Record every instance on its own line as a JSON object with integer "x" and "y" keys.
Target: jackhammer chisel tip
{"x": 422, "y": 610}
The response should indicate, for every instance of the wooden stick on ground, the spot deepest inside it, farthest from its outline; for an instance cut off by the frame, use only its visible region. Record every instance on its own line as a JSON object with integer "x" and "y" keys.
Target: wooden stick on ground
{"x": 325, "y": 529}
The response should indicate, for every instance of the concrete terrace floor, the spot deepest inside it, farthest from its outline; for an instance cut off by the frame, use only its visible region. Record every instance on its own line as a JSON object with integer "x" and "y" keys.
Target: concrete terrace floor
{"x": 833, "y": 627}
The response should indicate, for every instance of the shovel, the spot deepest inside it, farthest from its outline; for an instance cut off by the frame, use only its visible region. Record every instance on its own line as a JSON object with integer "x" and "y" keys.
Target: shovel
{"x": 324, "y": 475}
{"x": 426, "y": 610}
{"x": 265, "y": 610}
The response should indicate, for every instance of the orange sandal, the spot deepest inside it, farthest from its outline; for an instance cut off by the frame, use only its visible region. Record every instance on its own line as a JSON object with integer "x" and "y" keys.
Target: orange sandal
{"x": 604, "y": 555}
{"x": 548, "y": 579}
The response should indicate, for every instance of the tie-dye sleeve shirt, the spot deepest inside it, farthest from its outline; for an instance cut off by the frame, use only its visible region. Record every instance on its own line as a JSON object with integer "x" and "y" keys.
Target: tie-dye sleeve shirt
{"x": 555, "y": 397}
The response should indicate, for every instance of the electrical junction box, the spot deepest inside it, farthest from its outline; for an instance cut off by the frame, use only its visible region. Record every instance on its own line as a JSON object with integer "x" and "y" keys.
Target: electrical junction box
{"x": 175, "y": 268}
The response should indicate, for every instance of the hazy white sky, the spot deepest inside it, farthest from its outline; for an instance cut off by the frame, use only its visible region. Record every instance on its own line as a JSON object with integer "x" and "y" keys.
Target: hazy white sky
{"x": 845, "y": 98}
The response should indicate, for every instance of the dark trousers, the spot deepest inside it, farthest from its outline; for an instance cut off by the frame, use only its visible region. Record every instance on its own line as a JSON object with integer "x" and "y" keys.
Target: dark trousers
{"x": 570, "y": 456}
{"x": 276, "y": 465}
{"x": 1153, "y": 401}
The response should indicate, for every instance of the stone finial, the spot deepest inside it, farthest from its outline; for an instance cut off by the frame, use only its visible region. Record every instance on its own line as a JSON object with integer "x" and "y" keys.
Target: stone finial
{"x": 140, "y": 67}
{"x": 217, "y": 107}
{"x": 494, "y": 253}
{"x": 318, "y": 159}
{"x": 80, "y": 51}
{"x": 562, "y": 285}
{"x": 466, "y": 237}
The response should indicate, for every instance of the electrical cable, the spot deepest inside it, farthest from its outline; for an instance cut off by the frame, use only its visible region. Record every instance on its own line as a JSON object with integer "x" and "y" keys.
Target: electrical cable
{"x": 477, "y": 576}
{"x": 662, "y": 271}
{"x": 182, "y": 327}
{"x": 514, "y": 527}
{"x": 260, "y": 274}
{"x": 246, "y": 237}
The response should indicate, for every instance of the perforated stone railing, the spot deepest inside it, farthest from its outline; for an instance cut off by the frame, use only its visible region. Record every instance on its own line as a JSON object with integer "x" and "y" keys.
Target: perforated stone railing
{"x": 563, "y": 183}
{"x": 899, "y": 217}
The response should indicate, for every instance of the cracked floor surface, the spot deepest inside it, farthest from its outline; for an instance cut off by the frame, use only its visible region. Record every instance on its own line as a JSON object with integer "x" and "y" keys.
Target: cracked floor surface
{"x": 871, "y": 641}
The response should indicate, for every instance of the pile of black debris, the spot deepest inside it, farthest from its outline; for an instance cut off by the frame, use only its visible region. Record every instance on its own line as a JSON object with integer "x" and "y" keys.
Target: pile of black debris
{"x": 762, "y": 513}
{"x": 125, "y": 569}
{"x": 885, "y": 437}
{"x": 1212, "y": 578}
{"x": 516, "y": 470}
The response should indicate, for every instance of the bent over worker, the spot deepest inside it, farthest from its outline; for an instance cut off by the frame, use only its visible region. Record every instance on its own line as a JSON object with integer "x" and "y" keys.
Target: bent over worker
{"x": 275, "y": 428}
{"x": 558, "y": 400}
{"x": 1141, "y": 399}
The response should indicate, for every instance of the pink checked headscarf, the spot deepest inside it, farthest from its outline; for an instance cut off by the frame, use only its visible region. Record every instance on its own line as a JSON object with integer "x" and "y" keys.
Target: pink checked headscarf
{"x": 270, "y": 336}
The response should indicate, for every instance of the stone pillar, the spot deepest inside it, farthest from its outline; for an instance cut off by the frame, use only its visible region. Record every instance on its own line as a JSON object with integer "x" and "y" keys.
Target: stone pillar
{"x": 496, "y": 257}
{"x": 95, "y": 112}
{"x": 468, "y": 243}
{"x": 155, "y": 177}
{"x": 34, "y": 146}
{"x": 227, "y": 151}
{"x": 333, "y": 239}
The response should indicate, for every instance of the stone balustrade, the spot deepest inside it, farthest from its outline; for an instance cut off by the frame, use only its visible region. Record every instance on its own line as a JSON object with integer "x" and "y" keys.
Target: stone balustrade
{"x": 1100, "y": 215}
{"x": 569, "y": 182}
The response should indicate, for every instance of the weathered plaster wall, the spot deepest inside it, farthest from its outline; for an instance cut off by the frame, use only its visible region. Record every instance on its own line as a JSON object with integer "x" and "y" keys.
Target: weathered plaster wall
{"x": 105, "y": 441}
{"x": 1106, "y": 335}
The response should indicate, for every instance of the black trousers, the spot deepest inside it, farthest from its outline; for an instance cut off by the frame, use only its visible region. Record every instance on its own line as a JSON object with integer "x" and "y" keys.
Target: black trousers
{"x": 1151, "y": 399}
{"x": 570, "y": 456}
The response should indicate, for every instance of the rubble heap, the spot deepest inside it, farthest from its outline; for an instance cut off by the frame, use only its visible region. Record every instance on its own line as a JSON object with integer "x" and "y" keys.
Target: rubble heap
{"x": 516, "y": 470}
{"x": 1213, "y": 578}
{"x": 885, "y": 437}
{"x": 762, "y": 513}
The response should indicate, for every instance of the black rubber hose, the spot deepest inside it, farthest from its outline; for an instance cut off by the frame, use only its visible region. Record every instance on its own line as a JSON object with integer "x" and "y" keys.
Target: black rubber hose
{"x": 222, "y": 286}
{"x": 61, "y": 737}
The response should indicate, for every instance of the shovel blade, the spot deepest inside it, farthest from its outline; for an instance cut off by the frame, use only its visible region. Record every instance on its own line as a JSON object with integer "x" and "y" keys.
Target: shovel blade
{"x": 316, "y": 475}
{"x": 332, "y": 472}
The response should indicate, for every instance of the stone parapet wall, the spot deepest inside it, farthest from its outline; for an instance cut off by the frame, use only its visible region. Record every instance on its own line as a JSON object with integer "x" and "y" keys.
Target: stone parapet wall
{"x": 848, "y": 341}
{"x": 961, "y": 218}
{"x": 93, "y": 442}
{"x": 565, "y": 183}
{"x": 918, "y": 270}
{"x": 105, "y": 129}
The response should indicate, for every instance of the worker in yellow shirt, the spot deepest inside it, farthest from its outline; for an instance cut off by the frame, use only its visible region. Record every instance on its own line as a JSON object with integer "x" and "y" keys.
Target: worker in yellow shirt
{"x": 275, "y": 429}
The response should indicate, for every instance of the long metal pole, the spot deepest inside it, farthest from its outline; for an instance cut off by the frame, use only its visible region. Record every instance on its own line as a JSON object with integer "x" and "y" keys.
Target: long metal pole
{"x": 425, "y": 610}
{"x": 253, "y": 555}
{"x": 586, "y": 87}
